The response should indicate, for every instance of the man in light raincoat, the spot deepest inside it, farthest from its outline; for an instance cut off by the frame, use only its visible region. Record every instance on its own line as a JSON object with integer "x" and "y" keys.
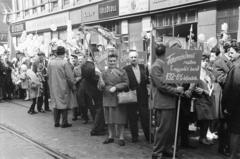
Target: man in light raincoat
{"x": 61, "y": 84}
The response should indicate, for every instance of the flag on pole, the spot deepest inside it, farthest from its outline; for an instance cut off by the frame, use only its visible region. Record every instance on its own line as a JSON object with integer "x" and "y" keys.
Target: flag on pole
{"x": 190, "y": 37}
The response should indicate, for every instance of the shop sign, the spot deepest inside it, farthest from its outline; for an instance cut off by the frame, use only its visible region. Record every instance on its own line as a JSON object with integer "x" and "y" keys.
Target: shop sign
{"x": 90, "y": 13}
{"x": 47, "y": 22}
{"x": 76, "y": 16}
{"x": 182, "y": 66}
{"x": 161, "y": 4}
{"x": 132, "y": 6}
{"x": 108, "y": 9}
{"x": 16, "y": 28}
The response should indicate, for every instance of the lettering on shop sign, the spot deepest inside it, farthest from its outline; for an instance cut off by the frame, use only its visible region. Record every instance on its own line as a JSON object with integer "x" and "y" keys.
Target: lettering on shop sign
{"x": 182, "y": 66}
{"x": 108, "y": 9}
{"x": 15, "y": 28}
{"x": 89, "y": 13}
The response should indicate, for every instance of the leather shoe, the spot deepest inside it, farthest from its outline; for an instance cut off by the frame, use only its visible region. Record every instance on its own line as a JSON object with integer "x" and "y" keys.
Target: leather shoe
{"x": 32, "y": 112}
{"x": 93, "y": 133}
{"x": 66, "y": 125}
{"x": 74, "y": 119}
{"x": 224, "y": 152}
{"x": 57, "y": 125}
{"x": 85, "y": 122}
{"x": 41, "y": 111}
{"x": 108, "y": 140}
{"x": 121, "y": 142}
{"x": 168, "y": 154}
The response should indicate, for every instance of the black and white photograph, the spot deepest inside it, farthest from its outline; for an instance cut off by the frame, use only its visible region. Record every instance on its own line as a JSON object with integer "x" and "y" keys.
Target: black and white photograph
{"x": 119, "y": 79}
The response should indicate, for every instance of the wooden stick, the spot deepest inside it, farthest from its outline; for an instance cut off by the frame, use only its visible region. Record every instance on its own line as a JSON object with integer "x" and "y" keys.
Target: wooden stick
{"x": 150, "y": 126}
{"x": 176, "y": 130}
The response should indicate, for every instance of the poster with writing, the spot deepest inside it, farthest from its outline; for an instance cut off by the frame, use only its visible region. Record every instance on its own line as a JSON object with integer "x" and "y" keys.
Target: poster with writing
{"x": 182, "y": 66}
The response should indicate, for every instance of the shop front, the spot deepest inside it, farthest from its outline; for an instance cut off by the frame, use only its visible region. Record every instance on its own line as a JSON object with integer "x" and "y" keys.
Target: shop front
{"x": 176, "y": 24}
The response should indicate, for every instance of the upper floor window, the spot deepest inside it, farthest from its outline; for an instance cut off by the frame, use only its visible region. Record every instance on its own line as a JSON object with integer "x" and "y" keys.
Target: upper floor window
{"x": 27, "y": 12}
{"x": 34, "y": 10}
{"x": 66, "y": 2}
{"x": 43, "y": 1}
{"x": 54, "y": 4}
{"x": 42, "y": 8}
{"x": 34, "y": 2}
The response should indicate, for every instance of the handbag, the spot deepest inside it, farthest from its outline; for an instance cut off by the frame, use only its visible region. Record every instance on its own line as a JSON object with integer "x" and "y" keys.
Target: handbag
{"x": 127, "y": 97}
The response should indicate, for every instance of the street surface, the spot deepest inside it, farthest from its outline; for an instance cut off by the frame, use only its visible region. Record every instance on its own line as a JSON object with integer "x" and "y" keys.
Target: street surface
{"x": 74, "y": 142}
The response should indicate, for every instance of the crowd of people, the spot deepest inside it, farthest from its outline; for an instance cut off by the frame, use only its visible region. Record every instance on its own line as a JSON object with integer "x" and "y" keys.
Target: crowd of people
{"x": 80, "y": 86}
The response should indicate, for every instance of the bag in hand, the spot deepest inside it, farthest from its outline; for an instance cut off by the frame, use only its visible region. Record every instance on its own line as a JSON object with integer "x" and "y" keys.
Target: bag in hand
{"x": 127, "y": 97}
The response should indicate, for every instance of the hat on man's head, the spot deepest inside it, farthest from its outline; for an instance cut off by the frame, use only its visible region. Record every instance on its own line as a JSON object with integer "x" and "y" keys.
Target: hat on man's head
{"x": 19, "y": 52}
{"x": 40, "y": 53}
{"x": 60, "y": 50}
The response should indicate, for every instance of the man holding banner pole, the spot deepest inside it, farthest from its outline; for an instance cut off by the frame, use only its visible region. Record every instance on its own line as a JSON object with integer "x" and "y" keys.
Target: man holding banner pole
{"x": 172, "y": 68}
{"x": 164, "y": 99}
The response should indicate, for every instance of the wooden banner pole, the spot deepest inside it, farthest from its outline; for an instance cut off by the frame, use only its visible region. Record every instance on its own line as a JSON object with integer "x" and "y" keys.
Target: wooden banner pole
{"x": 176, "y": 130}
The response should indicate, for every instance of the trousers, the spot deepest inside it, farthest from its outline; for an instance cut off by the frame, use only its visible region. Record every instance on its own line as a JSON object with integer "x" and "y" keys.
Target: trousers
{"x": 164, "y": 133}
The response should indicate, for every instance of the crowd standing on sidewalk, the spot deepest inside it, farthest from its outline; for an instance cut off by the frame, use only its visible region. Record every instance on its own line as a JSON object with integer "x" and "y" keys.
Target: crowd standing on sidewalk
{"x": 80, "y": 86}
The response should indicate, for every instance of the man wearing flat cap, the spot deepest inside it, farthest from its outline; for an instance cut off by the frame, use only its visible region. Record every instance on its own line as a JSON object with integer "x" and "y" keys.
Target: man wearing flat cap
{"x": 61, "y": 82}
{"x": 40, "y": 68}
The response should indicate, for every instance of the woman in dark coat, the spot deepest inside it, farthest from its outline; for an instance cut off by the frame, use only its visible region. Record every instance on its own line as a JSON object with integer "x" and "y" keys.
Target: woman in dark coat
{"x": 204, "y": 101}
{"x": 230, "y": 103}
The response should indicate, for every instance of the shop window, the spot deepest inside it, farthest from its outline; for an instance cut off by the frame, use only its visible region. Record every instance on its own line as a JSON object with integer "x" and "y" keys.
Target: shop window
{"x": 168, "y": 20}
{"x": 112, "y": 26}
{"x": 183, "y": 17}
{"x": 55, "y": 5}
{"x": 66, "y": 2}
{"x": 191, "y": 16}
{"x": 229, "y": 15}
{"x": 159, "y": 21}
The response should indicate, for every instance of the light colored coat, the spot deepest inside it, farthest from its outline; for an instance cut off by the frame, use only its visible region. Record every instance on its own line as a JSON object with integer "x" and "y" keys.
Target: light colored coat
{"x": 61, "y": 83}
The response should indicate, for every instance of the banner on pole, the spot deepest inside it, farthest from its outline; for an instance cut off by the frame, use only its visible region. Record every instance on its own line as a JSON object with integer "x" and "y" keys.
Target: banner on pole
{"x": 182, "y": 66}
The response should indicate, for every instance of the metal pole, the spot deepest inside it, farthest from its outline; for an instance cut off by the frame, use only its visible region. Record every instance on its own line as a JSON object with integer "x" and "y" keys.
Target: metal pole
{"x": 176, "y": 130}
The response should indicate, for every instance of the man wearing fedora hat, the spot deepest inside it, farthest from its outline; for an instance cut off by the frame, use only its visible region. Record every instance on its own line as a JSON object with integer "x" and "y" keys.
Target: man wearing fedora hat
{"x": 40, "y": 67}
{"x": 61, "y": 83}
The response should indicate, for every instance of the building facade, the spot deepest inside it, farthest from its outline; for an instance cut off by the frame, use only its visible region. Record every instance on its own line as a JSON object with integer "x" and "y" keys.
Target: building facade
{"x": 130, "y": 18}
{"x": 4, "y": 5}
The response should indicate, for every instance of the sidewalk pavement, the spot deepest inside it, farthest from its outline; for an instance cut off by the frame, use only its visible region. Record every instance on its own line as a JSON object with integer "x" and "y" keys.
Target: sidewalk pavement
{"x": 76, "y": 140}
